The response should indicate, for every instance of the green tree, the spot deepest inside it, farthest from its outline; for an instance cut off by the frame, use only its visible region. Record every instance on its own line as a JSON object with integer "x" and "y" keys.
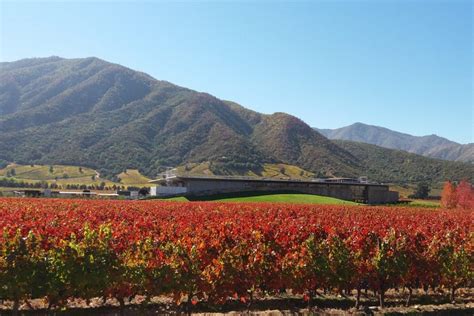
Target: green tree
{"x": 422, "y": 191}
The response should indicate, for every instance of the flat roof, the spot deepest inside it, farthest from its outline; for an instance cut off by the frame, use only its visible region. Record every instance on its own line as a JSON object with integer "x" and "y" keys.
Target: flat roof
{"x": 255, "y": 179}
{"x": 77, "y": 192}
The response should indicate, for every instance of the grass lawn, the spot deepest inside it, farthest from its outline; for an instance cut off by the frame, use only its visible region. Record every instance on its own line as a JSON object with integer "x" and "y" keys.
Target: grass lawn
{"x": 424, "y": 203}
{"x": 278, "y": 198}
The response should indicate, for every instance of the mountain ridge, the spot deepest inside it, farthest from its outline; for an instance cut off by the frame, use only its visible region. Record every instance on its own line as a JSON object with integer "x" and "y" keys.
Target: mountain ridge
{"x": 433, "y": 146}
{"x": 108, "y": 117}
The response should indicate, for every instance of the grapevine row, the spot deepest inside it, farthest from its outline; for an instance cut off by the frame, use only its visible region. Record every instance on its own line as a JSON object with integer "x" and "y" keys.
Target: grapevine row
{"x": 58, "y": 249}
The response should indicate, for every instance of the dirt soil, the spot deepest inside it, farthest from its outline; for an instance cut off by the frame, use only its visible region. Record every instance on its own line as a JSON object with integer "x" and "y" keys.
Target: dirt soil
{"x": 436, "y": 303}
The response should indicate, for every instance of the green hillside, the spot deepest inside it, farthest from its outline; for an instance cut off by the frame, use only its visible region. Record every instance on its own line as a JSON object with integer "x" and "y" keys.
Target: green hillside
{"x": 106, "y": 117}
{"x": 132, "y": 177}
{"x": 396, "y": 166}
{"x": 63, "y": 175}
{"x": 268, "y": 170}
{"x": 111, "y": 118}
{"x": 277, "y": 198}
{"x": 39, "y": 172}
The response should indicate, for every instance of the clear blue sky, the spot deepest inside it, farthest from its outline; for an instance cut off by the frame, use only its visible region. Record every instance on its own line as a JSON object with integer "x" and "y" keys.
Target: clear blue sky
{"x": 405, "y": 65}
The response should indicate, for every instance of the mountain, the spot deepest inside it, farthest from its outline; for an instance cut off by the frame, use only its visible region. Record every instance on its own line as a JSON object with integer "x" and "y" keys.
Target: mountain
{"x": 96, "y": 114}
{"x": 430, "y": 146}
{"x": 397, "y": 166}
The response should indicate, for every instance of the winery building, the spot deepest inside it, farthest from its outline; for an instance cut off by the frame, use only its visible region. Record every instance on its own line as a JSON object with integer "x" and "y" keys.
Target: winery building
{"x": 212, "y": 185}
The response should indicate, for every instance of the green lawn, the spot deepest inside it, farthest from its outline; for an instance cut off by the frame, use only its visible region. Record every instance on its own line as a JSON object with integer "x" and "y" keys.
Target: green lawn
{"x": 424, "y": 203}
{"x": 277, "y": 198}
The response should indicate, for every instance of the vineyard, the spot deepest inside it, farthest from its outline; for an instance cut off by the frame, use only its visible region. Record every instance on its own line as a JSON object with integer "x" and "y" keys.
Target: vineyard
{"x": 216, "y": 252}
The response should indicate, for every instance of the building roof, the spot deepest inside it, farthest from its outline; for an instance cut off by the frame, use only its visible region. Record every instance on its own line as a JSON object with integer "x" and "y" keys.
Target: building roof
{"x": 254, "y": 179}
{"x": 77, "y": 193}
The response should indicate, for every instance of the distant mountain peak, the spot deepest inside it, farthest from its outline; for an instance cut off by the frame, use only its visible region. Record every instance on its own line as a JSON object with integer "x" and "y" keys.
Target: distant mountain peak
{"x": 432, "y": 145}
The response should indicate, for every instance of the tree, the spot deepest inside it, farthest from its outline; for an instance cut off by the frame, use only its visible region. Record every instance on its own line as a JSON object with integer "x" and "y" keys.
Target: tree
{"x": 51, "y": 169}
{"x": 13, "y": 172}
{"x": 116, "y": 179}
{"x": 422, "y": 191}
{"x": 80, "y": 170}
{"x": 465, "y": 195}
{"x": 93, "y": 177}
{"x": 3, "y": 163}
{"x": 144, "y": 191}
{"x": 448, "y": 196}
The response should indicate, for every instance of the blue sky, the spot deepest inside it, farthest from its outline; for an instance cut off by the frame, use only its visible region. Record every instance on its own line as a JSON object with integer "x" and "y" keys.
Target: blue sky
{"x": 405, "y": 65}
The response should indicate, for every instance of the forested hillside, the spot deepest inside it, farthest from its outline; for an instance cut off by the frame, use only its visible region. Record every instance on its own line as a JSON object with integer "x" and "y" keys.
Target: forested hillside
{"x": 92, "y": 113}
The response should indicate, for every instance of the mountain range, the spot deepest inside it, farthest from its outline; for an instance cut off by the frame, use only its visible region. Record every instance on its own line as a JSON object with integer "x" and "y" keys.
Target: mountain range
{"x": 430, "y": 146}
{"x": 97, "y": 114}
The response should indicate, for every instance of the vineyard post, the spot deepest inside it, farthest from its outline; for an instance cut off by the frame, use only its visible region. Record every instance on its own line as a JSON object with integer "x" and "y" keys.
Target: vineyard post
{"x": 249, "y": 305}
{"x": 16, "y": 306}
{"x": 122, "y": 305}
{"x": 309, "y": 300}
{"x": 452, "y": 297}
{"x": 358, "y": 297}
{"x": 189, "y": 303}
{"x": 382, "y": 295}
{"x": 311, "y": 294}
{"x": 410, "y": 291}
